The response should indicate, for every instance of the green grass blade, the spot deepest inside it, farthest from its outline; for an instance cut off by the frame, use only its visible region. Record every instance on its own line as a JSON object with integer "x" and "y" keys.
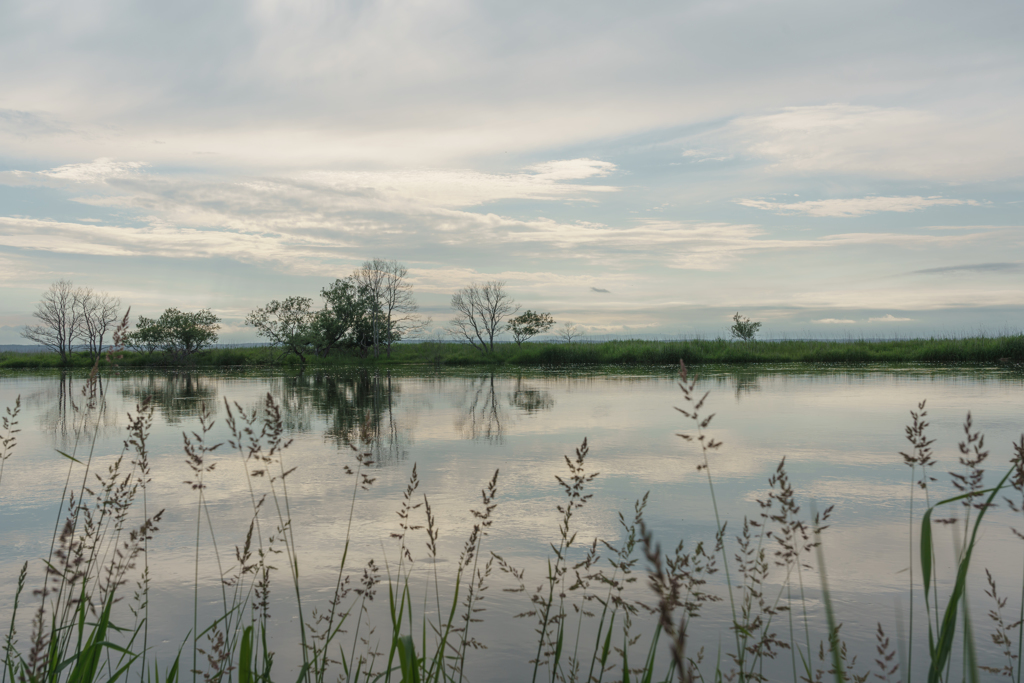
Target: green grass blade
{"x": 70, "y": 457}
{"x": 245, "y": 657}
{"x": 303, "y": 671}
{"x": 407, "y": 660}
{"x": 833, "y": 633}
{"x": 947, "y": 631}
{"x": 625, "y": 657}
{"x": 649, "y": 666}
{"x": 606, "y": 650}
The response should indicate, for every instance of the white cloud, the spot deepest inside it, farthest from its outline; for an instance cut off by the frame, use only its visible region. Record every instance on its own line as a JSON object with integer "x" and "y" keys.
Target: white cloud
{"x": 455, "y": 188}
{"x": 854, "y": 206}
{"x": 888, "y": 142}
{"x": 572, "y": 169}
{"x": 94, "y": 171}
{"x": 302, "y": 253}
{"x": 889, "y": 318}
{"x": 834, "y": 321}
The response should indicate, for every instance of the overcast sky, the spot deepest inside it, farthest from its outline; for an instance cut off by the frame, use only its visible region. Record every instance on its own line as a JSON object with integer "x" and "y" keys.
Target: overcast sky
{"x": 827, "y": 168}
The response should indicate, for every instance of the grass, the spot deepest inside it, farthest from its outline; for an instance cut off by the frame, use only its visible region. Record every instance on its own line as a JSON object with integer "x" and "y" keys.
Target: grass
{"x": 1007, "y": 349}
{"x": 90, "y": 619}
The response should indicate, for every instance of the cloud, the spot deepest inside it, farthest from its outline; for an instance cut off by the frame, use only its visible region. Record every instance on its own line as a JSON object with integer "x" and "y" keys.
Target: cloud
{"x": 599, "y": 290}
{"x": 854, "y": 207}
{"x": 463, "y": 188}
{"x": 973, "y": 268}
{"x": 834, "y": 321}
{"x": 97, "y": 171}
{"x": 25, "y": 124}
{"x": 889, "y": 318}
{"x": 889, "y": 142}
{"x": 572, "y": 169}
{"x": 303, "y": 253}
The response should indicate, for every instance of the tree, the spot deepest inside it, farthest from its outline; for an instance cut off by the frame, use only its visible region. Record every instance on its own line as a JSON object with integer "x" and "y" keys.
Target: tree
{"x": 179, "y": 333}
{"x": 743, "y": 329}
{"x": 99, "y": 315}
{"x": 569, "y": 332}
{"x": 187, "y": 333}
{"x": 386, "y": 286}
{"x": 529, "y": 325}
{"x": 60, "y": 316}
{"x": 346, "y": 319}
{"x": 287, "y": 323}
{"x": 480, "y": 311}
{"x": 147, "y": 336}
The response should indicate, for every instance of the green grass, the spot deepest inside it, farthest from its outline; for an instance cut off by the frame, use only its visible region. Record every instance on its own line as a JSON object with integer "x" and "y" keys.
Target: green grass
{"x": 92, "y": 621}
{"x": 950, "y": 350}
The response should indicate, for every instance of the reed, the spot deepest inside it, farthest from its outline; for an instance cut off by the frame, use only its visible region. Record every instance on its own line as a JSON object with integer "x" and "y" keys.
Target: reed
{"x": 1006, "y": 349}
{"x": 593, "y": 621}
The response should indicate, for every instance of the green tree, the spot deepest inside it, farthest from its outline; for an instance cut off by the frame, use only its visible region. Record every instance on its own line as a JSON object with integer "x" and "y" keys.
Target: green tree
{"x": 147, "y": 336}
{"x": 529, "y": 325}
{"x": 179, "y": 333}
{"x": 346, "y": 320}
{"x": 188, "y": 333}
{"x": 287, "y": 323}
{"x": 743, "y": 328}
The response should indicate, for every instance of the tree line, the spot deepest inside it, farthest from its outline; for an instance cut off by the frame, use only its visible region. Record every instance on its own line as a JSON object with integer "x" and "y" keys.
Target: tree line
{"x": 366, "y": 312}
{"x": 71, "y": 317}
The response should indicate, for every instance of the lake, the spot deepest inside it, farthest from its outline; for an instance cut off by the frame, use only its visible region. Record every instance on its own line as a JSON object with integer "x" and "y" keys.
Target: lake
{"x": 840, "y": 431}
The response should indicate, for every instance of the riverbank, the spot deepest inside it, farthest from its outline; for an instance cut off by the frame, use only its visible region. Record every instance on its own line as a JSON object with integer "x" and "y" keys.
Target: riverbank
{"x": 983, "y": 350}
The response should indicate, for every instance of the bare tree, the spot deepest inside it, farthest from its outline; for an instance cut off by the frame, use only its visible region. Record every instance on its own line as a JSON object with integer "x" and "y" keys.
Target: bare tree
{"x": 60, "y": 316}
{"x": 387, "y": 287}
{"x": 369, "y": 278}
{"x": 99, "y": 314}
{"x": 569, "y": 332}
{"x": 480, "y": 312}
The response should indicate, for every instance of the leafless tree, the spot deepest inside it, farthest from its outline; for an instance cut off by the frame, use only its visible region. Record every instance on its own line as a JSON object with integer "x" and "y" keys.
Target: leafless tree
{"x": 100, "y": 314}
{"x": 480, "y": 312}
{"x": 569, "y": 332}
{"x": 386, "y": 285}
{"x": 60, "y": 317}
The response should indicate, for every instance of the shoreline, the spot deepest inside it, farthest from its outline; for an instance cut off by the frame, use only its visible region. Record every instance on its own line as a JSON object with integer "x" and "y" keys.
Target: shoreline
{"x": 1004, "y": 350}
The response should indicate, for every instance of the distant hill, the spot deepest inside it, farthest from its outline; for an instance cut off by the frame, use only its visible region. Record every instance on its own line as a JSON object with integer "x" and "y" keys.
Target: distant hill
{"x": 23, "y": 348}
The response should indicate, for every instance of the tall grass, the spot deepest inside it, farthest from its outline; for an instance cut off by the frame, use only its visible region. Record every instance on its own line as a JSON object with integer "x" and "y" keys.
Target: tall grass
{"x": 90, "y": 616}
{"x": 1005, "y": 349}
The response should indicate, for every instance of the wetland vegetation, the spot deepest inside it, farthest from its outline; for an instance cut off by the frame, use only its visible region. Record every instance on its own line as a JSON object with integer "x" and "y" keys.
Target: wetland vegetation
{"x": 1007, "y": 349}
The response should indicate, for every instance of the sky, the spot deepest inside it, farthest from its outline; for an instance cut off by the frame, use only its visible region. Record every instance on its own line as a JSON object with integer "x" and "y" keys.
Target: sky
{"x": 829, "y": 169}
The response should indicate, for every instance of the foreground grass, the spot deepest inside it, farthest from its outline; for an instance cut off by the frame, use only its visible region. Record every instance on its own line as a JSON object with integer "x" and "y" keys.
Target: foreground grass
{"x": 951, "y": 350}
{"x": 91, "y": 620}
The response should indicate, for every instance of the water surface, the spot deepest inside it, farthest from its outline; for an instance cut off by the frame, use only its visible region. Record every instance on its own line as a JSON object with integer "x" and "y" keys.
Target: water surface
{"x": 840, "y": 431}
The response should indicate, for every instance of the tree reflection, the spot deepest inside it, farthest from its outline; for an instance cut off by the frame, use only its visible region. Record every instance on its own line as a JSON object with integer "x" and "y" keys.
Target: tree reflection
{"x": 74, "y": 406}
{"x": 358, "y": 409}
{"x": 176, "y": 396}
{"x": 482, "y": 415}
{"x": 743, "y": 383}
{"x": 530, "y": 400}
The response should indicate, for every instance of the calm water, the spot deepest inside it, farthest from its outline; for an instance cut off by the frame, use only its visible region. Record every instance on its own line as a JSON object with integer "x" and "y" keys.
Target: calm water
{"x": 840, "y": 431}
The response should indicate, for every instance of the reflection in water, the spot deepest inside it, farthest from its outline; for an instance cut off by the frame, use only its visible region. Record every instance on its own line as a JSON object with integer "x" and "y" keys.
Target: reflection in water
{"x": 176, "y": 396}
{"x": 746, "y": 384}
{"x": 359, "y": 410}
{"x": 73, "y": 406}
{"x": 530, "y": 400}
{"x": 481, "y": 415}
